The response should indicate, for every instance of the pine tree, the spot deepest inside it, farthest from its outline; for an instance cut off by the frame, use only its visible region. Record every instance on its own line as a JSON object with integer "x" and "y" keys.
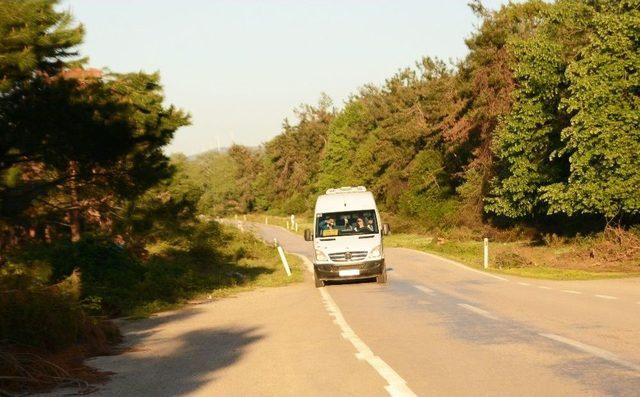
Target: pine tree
{"x": 35, "y": 38}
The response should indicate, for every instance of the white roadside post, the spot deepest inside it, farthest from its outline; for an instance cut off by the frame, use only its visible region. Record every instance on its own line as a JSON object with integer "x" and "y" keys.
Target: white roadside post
{"x": 287, "y": 225}
{"x": 244, "y": 217}
{"x": 283, "y": 258}
{"x": 296, "y": 226}
{"x": 266, "y": 220}
{"x": 486, "y": 253}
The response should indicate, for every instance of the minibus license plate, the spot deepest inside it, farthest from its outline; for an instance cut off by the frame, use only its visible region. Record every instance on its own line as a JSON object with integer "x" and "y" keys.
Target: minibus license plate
{"x": 349, "y": 272}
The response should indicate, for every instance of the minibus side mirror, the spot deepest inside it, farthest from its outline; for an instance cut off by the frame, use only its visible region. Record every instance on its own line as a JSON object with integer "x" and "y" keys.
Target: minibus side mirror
{"x": 385, "y": 229}
{"x": 307, "y": 235}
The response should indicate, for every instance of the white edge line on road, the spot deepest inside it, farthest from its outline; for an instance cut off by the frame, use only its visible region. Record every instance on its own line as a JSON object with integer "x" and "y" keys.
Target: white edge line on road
{"x": 424, "y": 289}
{"x": 525, "y": 284}
{"x": 477, "y": 310}
{"x": 544, "y": 287}
{"x": 569, "y": 291}
{"x": 396, "y": 386}
{"x": 457, "y": 264}
{"x": 606, "y": 297}
{"x": 595, "y": 351}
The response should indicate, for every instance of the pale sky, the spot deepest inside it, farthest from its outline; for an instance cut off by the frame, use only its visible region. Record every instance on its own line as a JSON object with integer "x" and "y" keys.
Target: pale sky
{"x": 240, "y": 67}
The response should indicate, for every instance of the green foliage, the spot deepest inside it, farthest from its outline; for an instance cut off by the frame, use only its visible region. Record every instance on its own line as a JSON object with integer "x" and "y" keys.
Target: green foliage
{"x": 109, "y": 273}
{"x": 567, "y": 147}
{"x": 538, "y": 124}
{"x": 218, "y": 182}
{"x": 428, "y": 192}
{"x": 482, "y": 94}
{"x": 34, "y": 36}
{"x": 343, "y": 144}
{"x": 291, "y": 161}
{"x": 530, "y": 133}
{"x": 603, "y": 138}
{"x": 86, "y": 146}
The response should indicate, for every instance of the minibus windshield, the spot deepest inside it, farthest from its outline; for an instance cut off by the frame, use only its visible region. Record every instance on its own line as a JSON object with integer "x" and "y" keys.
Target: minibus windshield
{"x": 347, "y": 223}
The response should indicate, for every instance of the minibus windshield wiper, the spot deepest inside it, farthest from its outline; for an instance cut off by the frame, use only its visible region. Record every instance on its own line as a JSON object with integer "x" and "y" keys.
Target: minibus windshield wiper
{"x": 368, "y": 236}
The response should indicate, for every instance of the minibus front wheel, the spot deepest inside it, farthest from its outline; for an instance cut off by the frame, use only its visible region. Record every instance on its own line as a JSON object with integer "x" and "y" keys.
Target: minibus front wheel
{"x": 382, "y": 277}
{"x": 319, "y": 283}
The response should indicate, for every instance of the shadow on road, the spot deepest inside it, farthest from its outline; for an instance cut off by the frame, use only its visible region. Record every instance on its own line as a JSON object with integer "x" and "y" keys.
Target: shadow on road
{"x": 192, "y": 361}
{"x": 358, "y": 281}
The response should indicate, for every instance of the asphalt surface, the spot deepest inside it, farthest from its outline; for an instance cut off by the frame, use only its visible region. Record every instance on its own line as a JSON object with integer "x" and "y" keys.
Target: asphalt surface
{"x": 436, "y": 328}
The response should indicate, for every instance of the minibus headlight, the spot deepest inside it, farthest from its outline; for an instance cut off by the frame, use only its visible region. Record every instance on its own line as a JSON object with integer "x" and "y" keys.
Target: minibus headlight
{"x": 321, "y": 256}
{"x": 376, "y": 252}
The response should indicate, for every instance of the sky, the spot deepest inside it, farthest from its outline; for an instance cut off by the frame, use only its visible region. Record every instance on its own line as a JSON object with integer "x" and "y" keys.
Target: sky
{"x": 241, "y": 66}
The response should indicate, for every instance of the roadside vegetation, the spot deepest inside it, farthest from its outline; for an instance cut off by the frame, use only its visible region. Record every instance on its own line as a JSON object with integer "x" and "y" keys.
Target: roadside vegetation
{"x": 611, "y": 254}
{"x": 530, "y": 140}
{"x": 95, "y": 221}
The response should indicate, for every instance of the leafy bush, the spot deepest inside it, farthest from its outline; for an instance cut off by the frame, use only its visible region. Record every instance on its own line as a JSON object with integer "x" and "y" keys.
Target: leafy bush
{"x": 109, "y": 273}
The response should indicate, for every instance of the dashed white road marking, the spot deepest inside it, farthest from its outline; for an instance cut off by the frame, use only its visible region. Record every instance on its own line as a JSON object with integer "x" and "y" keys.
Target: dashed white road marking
{"x": 479, "y": 311}
{"x": 396, "y": 386}
{"x": 568, "y": 291}
{"x": 595, "y": 351}
{"x": 544, "y": 287}
{"x": 606, "y": 297}
{"x": 525, "y": 284}
{"x": 425, "y": 289}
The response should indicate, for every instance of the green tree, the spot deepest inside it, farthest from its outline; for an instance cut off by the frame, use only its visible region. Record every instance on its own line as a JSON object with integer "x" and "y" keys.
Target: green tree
{"x": 291, "y": 161}
{"x": 602, "y": 141}
{"x": 344, "y": 138}
{"x": 217, "y": 176}
{"x": 35, "y": 38}
{"x": 248, "y": 167}
{"x": 482, "y": 95}
{"x": 528, "y": 142}
{"x": 86, "y": 145}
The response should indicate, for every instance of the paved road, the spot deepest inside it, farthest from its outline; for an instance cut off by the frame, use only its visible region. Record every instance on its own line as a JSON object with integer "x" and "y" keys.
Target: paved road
{"x": 449, "y": 330}
{"x": 436, "y": 329}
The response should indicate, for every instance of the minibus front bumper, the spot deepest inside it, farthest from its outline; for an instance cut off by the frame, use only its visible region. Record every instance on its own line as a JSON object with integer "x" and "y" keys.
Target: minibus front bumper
{"x": 331, "y": 271}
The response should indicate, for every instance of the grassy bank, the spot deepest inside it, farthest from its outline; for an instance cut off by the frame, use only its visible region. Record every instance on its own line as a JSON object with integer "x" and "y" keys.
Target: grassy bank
{"x": 567, "y": 260}
{"x": 242, "y": 262}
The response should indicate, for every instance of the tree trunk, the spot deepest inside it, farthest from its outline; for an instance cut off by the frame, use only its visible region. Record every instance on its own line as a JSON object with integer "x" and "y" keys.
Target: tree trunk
{"x": 74, "y": 214}
{"x": 74, "y": 224}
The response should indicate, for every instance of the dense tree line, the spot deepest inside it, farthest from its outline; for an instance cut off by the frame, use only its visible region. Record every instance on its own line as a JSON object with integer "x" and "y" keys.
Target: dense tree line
{"x": 538, "y": 123}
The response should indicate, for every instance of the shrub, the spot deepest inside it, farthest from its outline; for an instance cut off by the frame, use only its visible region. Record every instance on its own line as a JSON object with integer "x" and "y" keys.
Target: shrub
{"x": 109, "y": 273}
{"x": 510, "y": 260}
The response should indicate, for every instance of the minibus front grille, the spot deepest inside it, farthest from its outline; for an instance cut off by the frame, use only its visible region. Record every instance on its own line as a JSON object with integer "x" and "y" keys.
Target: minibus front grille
{"x": 350, "y": 256}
